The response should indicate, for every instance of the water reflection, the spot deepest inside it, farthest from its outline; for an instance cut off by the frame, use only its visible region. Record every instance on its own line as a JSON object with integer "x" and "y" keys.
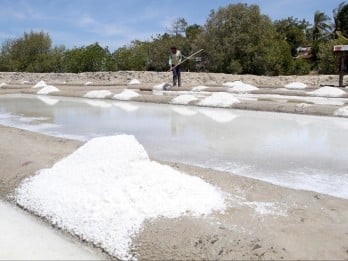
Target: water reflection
{"x": 24, "y": 237}
{"x": 293, "y": 150}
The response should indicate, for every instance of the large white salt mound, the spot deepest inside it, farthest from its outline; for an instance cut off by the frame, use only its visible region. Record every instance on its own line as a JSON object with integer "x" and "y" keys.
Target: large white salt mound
{"x": 40, "y": 84}
{"x": 219, "y": 99}
{"x": 2, "y": 84}
{"x": 239, "y": 86}
{"x": 48, "y": 89}
{"x": 183, "y": 99}
{"x": 106, "y": 189}
{"x": 97, "y": 94}
{"x": 328, "y": 92}
{"x": 134, "y": 81}
{"x": 126, "y": 95}
{"x": 343, "y": 111}
{"x": 296, "y": 85}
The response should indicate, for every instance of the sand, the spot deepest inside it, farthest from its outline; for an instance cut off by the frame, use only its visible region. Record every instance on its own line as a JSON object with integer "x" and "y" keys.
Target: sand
{"x": 122, "y": 77}
{"x": 262, "y": 221}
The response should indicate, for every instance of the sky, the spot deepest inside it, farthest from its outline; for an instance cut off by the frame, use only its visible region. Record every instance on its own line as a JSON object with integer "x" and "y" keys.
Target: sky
{"x": 115, "y": 23}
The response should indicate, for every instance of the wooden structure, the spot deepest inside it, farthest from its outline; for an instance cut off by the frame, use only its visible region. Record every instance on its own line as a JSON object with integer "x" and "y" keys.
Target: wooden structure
{"x": 341, "y": 52}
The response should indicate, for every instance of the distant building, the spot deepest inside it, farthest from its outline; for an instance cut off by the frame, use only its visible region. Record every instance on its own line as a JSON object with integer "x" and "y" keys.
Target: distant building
{"x": 304, "y": 52}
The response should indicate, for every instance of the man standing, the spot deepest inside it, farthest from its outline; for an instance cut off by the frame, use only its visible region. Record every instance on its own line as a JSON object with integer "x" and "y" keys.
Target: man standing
{"x": 175, "y": 59}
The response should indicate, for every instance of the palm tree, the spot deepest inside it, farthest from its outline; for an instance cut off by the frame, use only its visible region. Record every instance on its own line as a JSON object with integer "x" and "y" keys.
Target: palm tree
{"x": 341, "y": 20}
{"x": 321, "y": 28}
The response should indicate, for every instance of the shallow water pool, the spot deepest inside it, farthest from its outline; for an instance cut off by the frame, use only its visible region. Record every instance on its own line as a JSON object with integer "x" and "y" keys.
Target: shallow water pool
{"x": 297, "y": 151}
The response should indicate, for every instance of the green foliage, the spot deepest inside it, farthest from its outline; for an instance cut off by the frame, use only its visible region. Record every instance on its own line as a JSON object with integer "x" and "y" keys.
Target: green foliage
{"x": 301, "y": 67}
{"x": 235, "y": 67}
{"x": 236, "y": 38}
{"x": 328, "y": 63}
{"x": 132, "y": 57}
{"x": 193, "y": 31}
{"x": 29, "y": 53}
{"x": 92, "y": 58}
{"x": 293, "y": 31}
{"x": 321, "y": 28}
{"x": 232, "y": 37}
{"x": 341, "y": 18}
{"x": 279, "y": 58}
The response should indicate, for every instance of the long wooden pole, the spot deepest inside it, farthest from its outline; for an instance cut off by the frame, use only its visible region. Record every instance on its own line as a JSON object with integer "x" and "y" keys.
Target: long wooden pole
{"x": 187, "y": 58}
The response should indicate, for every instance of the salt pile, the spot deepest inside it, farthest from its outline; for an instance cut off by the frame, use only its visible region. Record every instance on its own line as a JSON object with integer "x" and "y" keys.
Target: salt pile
{"x": 40, "y": 84}
{"x": 296, "y": 85}
{"x": 239, "y": 86}
{"x": 97, "y": 94}
{"x": 328, "y": 92}
{"x": 126, "y": 95}
{"x": 46, "y": 89}
{"x": 106, "y": 189}
{"x": 220, "y": 99}
{"x": 183, "y": 99}
{"x": 134, "y": 81}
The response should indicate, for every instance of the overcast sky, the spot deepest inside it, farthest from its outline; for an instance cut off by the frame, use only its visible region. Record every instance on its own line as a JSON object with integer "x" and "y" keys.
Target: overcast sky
{"x": 114, "y": 23}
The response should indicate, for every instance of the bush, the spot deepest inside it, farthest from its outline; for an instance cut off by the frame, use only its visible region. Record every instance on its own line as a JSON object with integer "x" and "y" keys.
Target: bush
{"x": 327, "y": 63}
{"x": 301, "y": 67}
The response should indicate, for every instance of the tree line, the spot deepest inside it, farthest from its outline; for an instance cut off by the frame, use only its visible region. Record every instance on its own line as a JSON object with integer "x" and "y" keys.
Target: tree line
{"x": 236, "y": 39}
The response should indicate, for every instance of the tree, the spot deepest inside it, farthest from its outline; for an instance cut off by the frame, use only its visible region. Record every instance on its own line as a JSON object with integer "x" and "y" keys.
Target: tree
{"x": 341, "y": 20}
{"x": 91, "y": 58}
{"x": 327, "y": 63}
{"x": 293, "y": 31}
{"x": 132, "y": 57}
{"x": 5, "y": 57}
{"x": 31, "y": 53}
{"x": 321, "y": 27}
{"x": 192, "y": 31}
{"x": 234, "y": 42}
{"x": 178, "y": 27}
{"x": 95, "y": 58}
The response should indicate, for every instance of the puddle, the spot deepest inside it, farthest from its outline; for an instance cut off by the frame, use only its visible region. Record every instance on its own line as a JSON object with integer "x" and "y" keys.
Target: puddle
{"x": 24, "y": 237}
